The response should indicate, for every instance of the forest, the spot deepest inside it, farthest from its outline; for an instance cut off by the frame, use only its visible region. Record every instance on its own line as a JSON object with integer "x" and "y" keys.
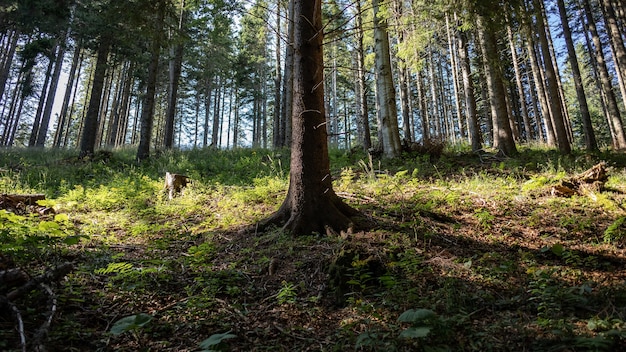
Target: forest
{"x": 369, "y": 175}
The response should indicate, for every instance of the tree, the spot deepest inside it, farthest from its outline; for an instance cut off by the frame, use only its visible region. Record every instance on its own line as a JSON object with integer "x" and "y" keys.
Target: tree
{"x": 385, "y": 91}
{"x": 311, "y": 205}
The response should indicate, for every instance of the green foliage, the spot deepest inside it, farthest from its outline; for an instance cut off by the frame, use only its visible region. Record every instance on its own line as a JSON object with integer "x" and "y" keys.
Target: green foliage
{"x": 616, "y": 231}
{"x": 216, "y": 342}
{"x": 287, "y": 293}
{"x": 131, "y": 323}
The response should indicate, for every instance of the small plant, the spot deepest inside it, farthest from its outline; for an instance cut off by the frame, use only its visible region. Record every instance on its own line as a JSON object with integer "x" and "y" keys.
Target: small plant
{"x": 616, "y": 231}
{"x": 215, "y": 342}
{"x": 131, "y": 323}
{"x": 287, "y": 293}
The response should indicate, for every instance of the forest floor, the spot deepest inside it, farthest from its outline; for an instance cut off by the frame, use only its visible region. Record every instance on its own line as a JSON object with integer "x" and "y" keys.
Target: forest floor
{"x": 467, "y": 253}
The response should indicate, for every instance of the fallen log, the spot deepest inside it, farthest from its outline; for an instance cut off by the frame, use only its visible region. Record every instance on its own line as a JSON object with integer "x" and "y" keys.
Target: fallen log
{"x": 589, "y": 181}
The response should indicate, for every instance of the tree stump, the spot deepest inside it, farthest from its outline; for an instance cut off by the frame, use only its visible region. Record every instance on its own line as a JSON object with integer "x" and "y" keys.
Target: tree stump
{"x": 590, "y": 181}
{"x": 174, "y": 183}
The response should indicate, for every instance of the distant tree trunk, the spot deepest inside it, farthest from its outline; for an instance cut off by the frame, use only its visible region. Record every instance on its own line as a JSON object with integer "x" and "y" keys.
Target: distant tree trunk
{"x": 590, "y": 137}
{"x": 287, "y": 96}
{"x": 455, "y": 75}
{"x": 147, "y": 112}
{"x": 277, "y": 132}
{"x": 540, "y": 87}
{"x": 468, "y": 89}
{"x": 617, "y": 44}
{"x": 215, "y": 131}
{"x": 528, "y": 131}
{"x": 385, "y": 90}
{"x": 614, "y": 117}
{"x": 5, "y": 70}
{"x": 41, "y": 105}
{"x": 363, "y": 114}
{"x": 311, "y": 205}
{"x": 175, "y": 68}
{"x": 90, "y": 124}
{"x": 62, "y": 121}
{"x": 236, "y": 119}
{"x": 207, "y": 112}
{"x": 554, "y": 98}
{"x": 502, "y": 134}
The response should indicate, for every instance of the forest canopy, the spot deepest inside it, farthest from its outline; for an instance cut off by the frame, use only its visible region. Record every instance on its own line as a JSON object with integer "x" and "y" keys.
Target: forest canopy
{"x": 192, "y": 74}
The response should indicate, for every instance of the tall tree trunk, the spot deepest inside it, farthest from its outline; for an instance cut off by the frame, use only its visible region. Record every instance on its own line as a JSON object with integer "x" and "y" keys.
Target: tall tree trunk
{"x": 363, "y": 113}
{"x": 617, "y": 44}
{"x": 468, "y": 90}
{"x": 147, "y": 111}
{"x": 207, "y": 111}
{"x": 175, "y": 68}
{"x": 90, "y": 123}
{"x": 311, "y": 205}
{"x": 42, "y": 133}
{"x": 41, "y": 105}
{"x": 385, "y": 90}
{"x": 554, "y": 97}
{"x": 215, "y": 131}
{"x": 614, "y": 117}
{"x": 502, "y": 134}
{"x": 455, "y": 75}
{"x": 5, "y": 70}
{"x": 60, "y": 132}
{"x": 590, "y": 137}
{"x": 287, "y": 96}
{"x": 528, "y": 131}
{"x": 277, "y": 132}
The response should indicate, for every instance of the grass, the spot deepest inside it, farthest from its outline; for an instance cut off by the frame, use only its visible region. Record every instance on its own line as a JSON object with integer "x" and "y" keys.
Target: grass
{"x": 468, "y": 253}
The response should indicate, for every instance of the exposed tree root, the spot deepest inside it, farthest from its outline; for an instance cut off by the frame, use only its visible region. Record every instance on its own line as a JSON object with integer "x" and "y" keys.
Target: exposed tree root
{"x": 330, "y": 216}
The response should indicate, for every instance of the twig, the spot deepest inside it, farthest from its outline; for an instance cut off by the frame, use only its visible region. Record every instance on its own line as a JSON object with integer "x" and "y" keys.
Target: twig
{"x": 43, "y": 329}
{"x": 48, "y": 276}
{"x": 20, "y": 324}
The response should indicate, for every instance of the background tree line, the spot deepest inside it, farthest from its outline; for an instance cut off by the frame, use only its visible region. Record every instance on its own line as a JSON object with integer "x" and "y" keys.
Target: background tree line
{"x": 398, "y": 74}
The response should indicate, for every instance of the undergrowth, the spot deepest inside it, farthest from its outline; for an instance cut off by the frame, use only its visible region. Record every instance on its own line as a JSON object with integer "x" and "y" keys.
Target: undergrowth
{"x": 469, "y": 252}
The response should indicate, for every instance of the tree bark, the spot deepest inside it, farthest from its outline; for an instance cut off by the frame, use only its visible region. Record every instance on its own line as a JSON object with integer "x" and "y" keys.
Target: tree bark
{"x": 363, "y": 113}
{"x": 311, "y": 205}
{"x": 385, "y": 89}
{"x": 590, "y": 137}
{"x": 468, "y": 90}
{"x": 90, "y": 123}
{"x": 147, "y": 111}
{"x": 502, "y": 134}
{"x": 175, "y": 68}
{"x": 614, "y": 117}
{"x": 519, "y": 85}
{"x": 554, "y": 98}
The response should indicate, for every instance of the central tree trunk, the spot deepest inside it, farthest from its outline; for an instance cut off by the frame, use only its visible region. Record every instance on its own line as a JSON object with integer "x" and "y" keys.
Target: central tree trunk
{"x": 311, "y": 205}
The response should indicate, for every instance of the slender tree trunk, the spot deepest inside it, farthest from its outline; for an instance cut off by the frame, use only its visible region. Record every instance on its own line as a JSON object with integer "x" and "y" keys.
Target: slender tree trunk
{"x": 207, "y": 111}
{"x": 617, "y": 44}
{"x": 455, "y": 75}
{"x": 215, "y": 132}
{"x": 554, "y": 98}
{"x": 363, "y": 113}
{"x": 76, "y": 60}
{"x": 175, "y": 68}
{"x": 8, "y": 60}
{"x": 502, "y": 134}
{"x": 147, "y": 112}
{"x": 528, "y": 131}
{"x": 468, "y": 89}
{"x": 385, "y": 90}
{"x": 287, "y": 96}
{"x": 90, "y": 123}
{"x": 590, "y": 138}
{"x": 277, "y": 133}
{"x": 614, "y": 117}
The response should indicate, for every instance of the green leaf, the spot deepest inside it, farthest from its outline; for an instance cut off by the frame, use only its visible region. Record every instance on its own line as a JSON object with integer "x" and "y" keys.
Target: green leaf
{"x": 557, "y": 249}
{"x": 132, "y": 322}
{"x": 415, "y": 332}
{"x": 61, "y": 218}
{"x": 416, "y": 315}
{"x": 215, "y": 340}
